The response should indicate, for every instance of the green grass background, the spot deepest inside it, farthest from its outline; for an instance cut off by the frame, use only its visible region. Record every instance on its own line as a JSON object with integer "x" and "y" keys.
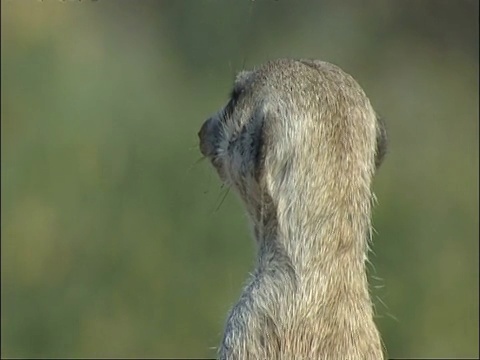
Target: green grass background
{"x": 116, "y": 242}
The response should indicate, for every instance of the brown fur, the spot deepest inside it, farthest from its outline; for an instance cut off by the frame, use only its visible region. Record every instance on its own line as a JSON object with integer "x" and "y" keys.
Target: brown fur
{"x": 300, "y": 142}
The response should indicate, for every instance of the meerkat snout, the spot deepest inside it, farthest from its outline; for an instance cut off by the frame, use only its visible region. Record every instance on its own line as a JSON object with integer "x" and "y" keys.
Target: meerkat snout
{"x": 205, "y": 145}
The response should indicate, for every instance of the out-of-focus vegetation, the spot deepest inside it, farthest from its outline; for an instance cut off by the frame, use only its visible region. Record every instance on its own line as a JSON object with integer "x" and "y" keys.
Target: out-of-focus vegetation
{"x": 116, "y": 241}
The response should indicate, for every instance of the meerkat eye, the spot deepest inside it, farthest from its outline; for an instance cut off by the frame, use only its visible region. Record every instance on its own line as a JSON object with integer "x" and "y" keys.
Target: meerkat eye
{"x": 235, "y": 93}
{"x": 234, "y": 96}
{"x": 228, "y": 111}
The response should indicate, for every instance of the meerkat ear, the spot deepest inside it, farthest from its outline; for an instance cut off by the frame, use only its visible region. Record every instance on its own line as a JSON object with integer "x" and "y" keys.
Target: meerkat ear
{"x": 382, "y": 142}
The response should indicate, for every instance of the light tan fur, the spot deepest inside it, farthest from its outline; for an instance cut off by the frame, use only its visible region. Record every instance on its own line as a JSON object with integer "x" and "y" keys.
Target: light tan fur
{"x": 299, "y": 141}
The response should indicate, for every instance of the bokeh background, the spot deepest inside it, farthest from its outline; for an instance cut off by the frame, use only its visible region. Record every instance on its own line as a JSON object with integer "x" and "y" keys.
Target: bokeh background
{"x": 118, "y": 242}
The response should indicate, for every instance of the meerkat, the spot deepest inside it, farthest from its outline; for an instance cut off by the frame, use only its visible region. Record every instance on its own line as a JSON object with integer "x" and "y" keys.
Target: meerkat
{"x": 299, "y": 141}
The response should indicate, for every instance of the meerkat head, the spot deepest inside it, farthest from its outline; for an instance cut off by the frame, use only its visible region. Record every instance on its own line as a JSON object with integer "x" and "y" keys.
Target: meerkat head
{"x": 293, "y": 127}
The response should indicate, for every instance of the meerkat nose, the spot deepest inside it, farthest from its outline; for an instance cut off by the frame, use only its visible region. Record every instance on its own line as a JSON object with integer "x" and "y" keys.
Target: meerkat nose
{"x": 203, "y": 136}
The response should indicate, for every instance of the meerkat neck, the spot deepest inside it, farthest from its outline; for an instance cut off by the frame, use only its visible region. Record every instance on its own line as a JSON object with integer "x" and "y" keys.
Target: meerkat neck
{"x": 325, "y": 245}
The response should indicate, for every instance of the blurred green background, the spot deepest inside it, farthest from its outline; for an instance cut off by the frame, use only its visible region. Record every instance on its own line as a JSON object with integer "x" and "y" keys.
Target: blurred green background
{"x": 118, "y": 242}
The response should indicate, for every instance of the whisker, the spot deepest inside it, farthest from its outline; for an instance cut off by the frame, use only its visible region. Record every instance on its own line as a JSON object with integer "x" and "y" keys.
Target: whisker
{"x": 392, "y": 317}
{"x": 199, "y": 160}
{"x": 382, "y": 302}
{"x": 195, "y": 163}
{"x": 223, "y": 198}
{"x": 193, "y": 147}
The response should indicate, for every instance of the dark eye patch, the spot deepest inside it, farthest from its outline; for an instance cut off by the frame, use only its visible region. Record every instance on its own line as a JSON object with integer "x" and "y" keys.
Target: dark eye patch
{"x": 258, "y": 149}
{"x": 229, "y": 108}
{"x": 235, "y": 94}
{"x": 234, "y": 97}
